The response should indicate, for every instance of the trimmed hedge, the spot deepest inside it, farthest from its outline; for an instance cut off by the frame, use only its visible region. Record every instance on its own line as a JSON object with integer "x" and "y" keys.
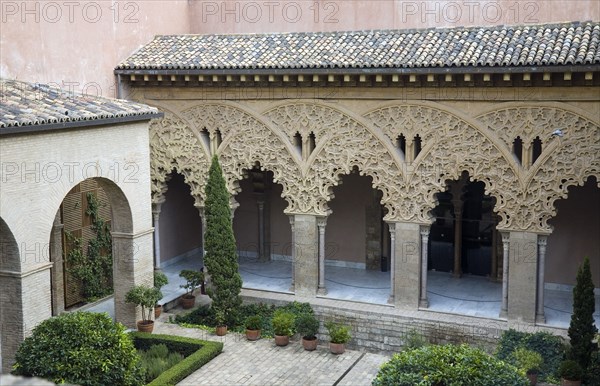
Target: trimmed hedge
{"x": 447, "y": 365}
{"x": 197, "y": 353}
{"x": 551, "y": 347}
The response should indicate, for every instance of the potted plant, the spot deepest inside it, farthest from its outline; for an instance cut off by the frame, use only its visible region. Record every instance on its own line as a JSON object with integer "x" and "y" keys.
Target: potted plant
{"x": 160, "y": 280}
{"x": 220, "y": 319}
{"x": 253, "y": 325}
{"x": 146, "y": 297}
{"x": 339, "y": 335}
{"x": 193, "y": 279}
{"x": 529, "y": 362}
{"x": 308, "y": 326}
{"x": 570, "y": 373}
{"x": 283, "y": 327}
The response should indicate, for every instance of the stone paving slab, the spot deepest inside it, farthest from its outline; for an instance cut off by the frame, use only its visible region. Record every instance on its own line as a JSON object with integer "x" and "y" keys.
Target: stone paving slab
{"x": 263, "y": 363}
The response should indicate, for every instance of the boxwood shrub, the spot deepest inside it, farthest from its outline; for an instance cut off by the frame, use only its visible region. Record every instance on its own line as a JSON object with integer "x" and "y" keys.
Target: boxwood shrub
{"x": 447, "y": 365}
{"x": 196, "y": 352}
{"x": 551, "y": 347}
{"x": 81, "y": 348}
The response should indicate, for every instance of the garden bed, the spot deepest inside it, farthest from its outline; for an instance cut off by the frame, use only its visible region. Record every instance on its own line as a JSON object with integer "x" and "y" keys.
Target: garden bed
{"x": 196, "y": 354}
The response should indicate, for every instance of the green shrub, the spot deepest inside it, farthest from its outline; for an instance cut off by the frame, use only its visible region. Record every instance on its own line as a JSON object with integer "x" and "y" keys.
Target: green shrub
{"x": 527, "y": 360}
{"x": 593, "y": 373}
{"x": 570, "y": 370}
{"x": 157, "y": 359}
{"x": 196, "y": 352}
{"x": 307, "y": 326}
{"x": 205, "y": 316}
{"x": 82, "y": 348}
{"x": 283, "y": 323}
{"x": 253, "y": 322}
{"x": 338, "y": 333}
{"x": 582, "y": 329}
{"x": 221, "y": 257}
{"x": 550, "y": 347}
{"x": 447, "y": 365}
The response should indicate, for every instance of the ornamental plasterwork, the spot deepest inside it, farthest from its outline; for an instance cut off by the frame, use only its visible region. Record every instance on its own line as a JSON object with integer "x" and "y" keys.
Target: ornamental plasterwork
{"x": 450, "y": 144}
{"x": 565, "y": 161}
{"x": 174, "y": 146}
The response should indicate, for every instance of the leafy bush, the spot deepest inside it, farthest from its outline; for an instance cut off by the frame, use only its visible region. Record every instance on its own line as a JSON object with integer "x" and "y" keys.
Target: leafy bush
{"x": 253, "y": 322}
{"x": 221, "y": 258}
{"x": 447, "y": 365}
{"x": 144, "y": 296}
{"x": 283, "y": 323}
{"x": 582, "y": 329}
{"x": 550, "y": 347}
{"x": 205, "y": 316}
{"x": 193, "y": 279}
{"x": 593, "y": 373}
{"x": 307, "y": 326}
{"x": 570, "y": 370}
{"x": 338, "y": 333}
{"x": 527, "y": 360}
{"x": 196, "y": 352}
{"x": 157, "y": 359}
{"x": 82, "y": 348}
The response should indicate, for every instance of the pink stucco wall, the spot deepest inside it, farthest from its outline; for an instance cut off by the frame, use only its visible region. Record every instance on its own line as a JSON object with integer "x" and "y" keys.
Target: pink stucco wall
{"x": 77, "y": 44}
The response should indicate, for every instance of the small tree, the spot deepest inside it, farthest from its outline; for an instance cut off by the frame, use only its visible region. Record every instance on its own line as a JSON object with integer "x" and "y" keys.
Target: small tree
{"x": 582, "y": 329}
{"x": 221, "y": 256}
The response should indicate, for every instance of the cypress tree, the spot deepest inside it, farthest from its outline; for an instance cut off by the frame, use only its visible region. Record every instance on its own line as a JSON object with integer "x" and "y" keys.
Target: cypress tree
{"x": 221, "y": 255}
{"x": 582, "y": 328}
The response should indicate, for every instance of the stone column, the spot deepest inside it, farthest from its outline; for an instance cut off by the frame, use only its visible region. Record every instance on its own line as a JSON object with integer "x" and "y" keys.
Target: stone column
{"x": 392, "y": 229}
{"x": 321, "y": 223}
{"x": 494, "y": 268}
{"x": 293, "y": 252}
{"x": 540, "y": 316}
{"x": 306, "y": 270}
{"x": 132, "y": 265}
{"x": 156, "y": 220}
{"x": 57, "y": 271}
{"x": 261, "y": 230}
{"x": 505, "y": 258}
{"x": 522, "y": 277}
{"x": 457, "y": 271}
{"x": 203, "y": 219}
{"x": 407, "y": 265}
{"x": 423, "y": 302}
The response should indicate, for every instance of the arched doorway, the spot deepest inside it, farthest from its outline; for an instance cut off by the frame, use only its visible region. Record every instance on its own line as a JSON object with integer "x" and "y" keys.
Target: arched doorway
{"x": 357, "y": 243}
{"x": 11, "y": 333}
{"x": 81, "y": 250}
{"x": 180, "y": 228}
{"x": 463, "y": 253}
{"x": 263, "y": 233}
{"x": 575, "y": 235}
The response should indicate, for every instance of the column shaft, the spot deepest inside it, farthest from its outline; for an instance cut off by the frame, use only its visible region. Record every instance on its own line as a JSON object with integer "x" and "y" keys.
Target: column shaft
{"x": 540, "y": 316}
{"x": 457, "y": 272}
{"x": 392, "y": 229}
{"x": 293, "y": 252}
{"x": 321, "y": 224}
{"x": 505, "y": 257}
{"x": 423, "y": 302}
{"x": 156, "y": 220}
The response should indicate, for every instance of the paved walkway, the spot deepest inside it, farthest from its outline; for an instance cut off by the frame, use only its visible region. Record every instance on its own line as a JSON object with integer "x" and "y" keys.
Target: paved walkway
{"x": 262, "y": 363}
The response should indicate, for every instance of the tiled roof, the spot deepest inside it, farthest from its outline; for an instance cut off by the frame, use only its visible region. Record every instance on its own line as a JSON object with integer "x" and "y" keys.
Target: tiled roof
{"x": 497, "y": 46}
{"x": 27, "y": 105}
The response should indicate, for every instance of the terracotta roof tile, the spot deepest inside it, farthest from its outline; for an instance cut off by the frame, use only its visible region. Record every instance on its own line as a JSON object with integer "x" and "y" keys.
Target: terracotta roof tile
{"x": 28, "y": 104}
{"x": 524, "y": 45}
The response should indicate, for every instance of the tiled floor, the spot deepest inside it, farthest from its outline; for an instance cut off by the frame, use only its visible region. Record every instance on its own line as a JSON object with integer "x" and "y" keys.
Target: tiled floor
{"x": 469, "y": 295}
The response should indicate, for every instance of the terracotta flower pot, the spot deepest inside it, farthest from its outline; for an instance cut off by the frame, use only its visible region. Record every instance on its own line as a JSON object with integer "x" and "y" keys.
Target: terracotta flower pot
{"x": 221, "y": 330}
{"x": 252, "y": 334}
{"x": 282, "y": 340}
{"x": 337, "y": 348}
{"x": 157, "y": 311}
{"x": 566, "y": 382}
{"x": 310, "y": 344}
{"x": 188, "y": 301}
{"x": 145, "y": 326}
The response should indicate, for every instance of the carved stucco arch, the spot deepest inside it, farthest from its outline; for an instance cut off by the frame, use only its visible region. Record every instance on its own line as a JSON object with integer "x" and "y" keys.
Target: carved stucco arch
{"x": 247, "y": 141}
{"x": 343, "y": 142}
{"x": 565, "y": 161}
{"x": 451, "y": 143}
{"x": 174, "y": 146}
